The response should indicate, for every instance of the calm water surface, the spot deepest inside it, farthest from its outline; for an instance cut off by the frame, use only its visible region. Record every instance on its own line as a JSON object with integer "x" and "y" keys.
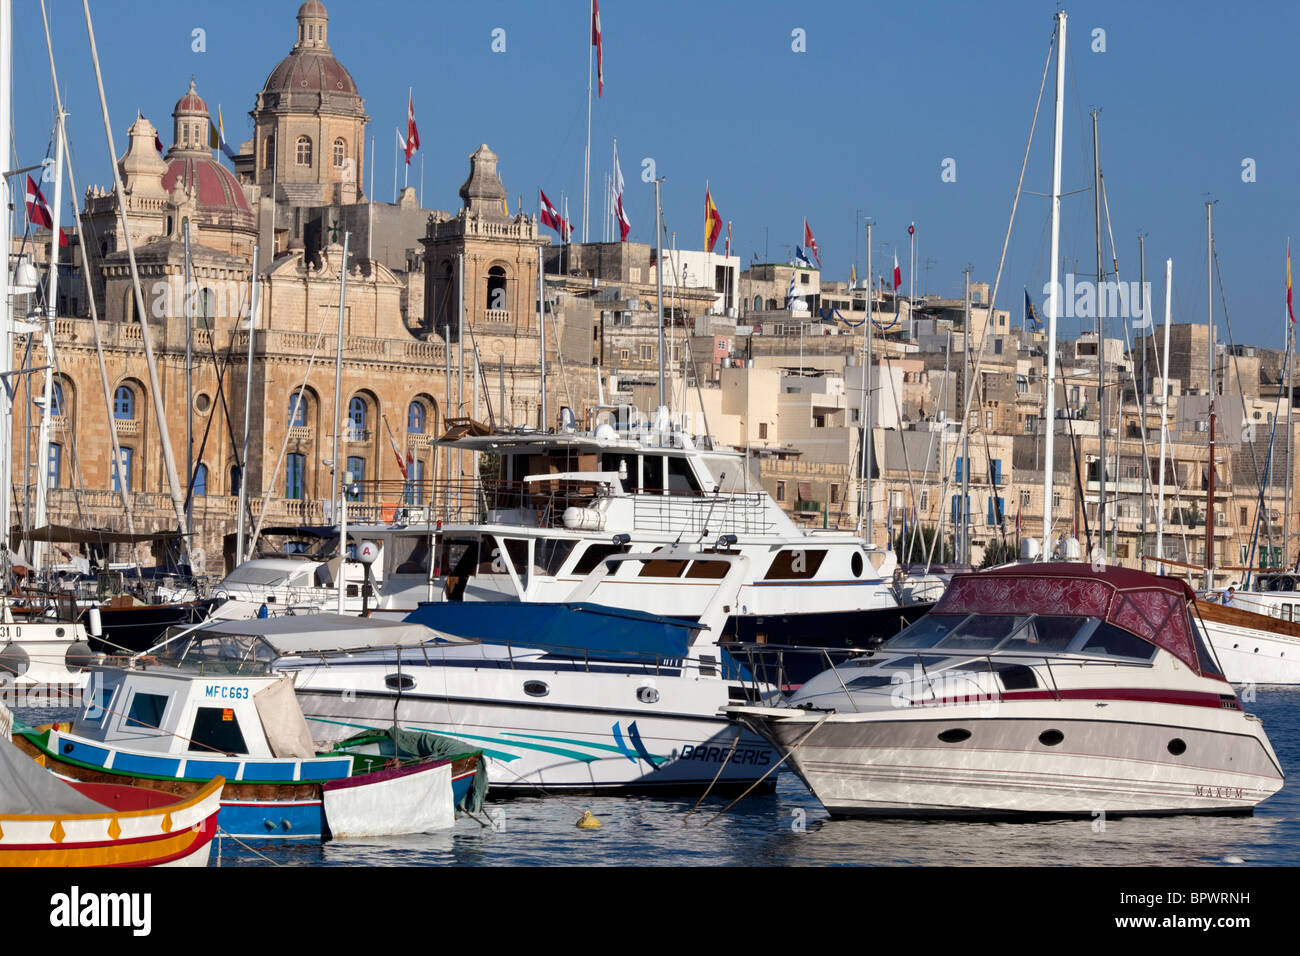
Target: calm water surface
{"x": 789, "y": 827}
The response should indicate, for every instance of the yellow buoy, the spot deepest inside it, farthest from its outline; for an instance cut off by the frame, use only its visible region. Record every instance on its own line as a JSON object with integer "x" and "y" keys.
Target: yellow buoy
{"x": 588, "y": 822}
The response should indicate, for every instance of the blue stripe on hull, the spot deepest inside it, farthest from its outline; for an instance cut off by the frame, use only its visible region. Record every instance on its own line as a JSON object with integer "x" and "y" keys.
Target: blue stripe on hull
{"x": 273, "y": 821}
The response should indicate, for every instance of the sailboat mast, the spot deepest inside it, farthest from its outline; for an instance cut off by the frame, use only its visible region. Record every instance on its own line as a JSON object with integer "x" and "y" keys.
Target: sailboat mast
{"x": 189, "y": 394}
{"x": 1101, "y": 358}
{"x": 1164, "y": 409}
{"x": 241, "y": 515}
{"x": 659, "y": 287}
{"x": 1290, "y": 392}
{"x": 1209, "y": 302}
{"x": 47, "y": 331}
{"x": 1054, "y": 300}
{"x": 6, "y": 316}
{"x": 338, "y": 389}
{"x": 868, "y": 419}
{"x": 1143, "y": 309}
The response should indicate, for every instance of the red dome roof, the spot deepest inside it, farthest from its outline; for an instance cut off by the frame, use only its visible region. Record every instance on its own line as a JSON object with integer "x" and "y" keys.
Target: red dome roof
{"x": 310, "y": 71}
{"x": 190, "y": 102}
{"x": 220, "y": 198}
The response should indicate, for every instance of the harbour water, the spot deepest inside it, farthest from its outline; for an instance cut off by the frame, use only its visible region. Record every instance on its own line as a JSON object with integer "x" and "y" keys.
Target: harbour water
{"x": 789, "y": 828}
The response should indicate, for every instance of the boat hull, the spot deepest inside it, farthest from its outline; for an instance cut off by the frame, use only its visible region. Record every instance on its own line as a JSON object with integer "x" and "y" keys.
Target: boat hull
{"x": 264, "y": 810}
{"x": 1252, "y": 648}
{"x": 135, "y": 829}
{"x": 889, "y": 765}
{"x": 564, "y": 745}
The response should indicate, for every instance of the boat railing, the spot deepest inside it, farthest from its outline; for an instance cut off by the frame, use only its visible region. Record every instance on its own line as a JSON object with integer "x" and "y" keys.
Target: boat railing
{"x": 543, "y": 503}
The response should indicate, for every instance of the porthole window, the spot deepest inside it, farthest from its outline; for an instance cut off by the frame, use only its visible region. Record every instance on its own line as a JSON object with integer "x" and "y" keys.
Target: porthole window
{"x": 399, "y": 681}
{"x": 855, "y": 564}
{"x": 647, "y": 695}
{"x": 202, "y": 403}
{"x": 955, "y": 736}
{"x": 1177, "y": 747}
{"x": 536, "y": 688}
{"x": 1050, "y": 738}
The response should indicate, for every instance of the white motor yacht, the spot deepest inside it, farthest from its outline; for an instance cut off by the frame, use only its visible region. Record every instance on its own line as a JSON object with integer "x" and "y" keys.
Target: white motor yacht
{"x": 1047, "y": 689}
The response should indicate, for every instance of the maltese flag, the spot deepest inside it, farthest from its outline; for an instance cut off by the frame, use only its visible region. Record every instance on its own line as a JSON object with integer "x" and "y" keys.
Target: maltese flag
{"x": 38, "y": 210}
{"x": 412, "y": 134}
{"x": 898, "y": 273}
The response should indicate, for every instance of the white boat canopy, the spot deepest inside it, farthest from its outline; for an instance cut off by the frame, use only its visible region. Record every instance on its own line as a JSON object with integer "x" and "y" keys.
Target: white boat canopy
{"x": 297, "y": 634}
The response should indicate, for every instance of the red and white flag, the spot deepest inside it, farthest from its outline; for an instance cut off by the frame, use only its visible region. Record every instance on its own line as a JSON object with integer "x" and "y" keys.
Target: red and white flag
{"x": 624, "y": 227}
{"x": 595, "y": 41}
{"x": 551, "y": 218}
{"x": 401, "y": 462}
{"x": 38, "y": 210}
{"x": 811, "y": 243}
{"x": 412, "y": 134}
{"x": 898, "y": 273}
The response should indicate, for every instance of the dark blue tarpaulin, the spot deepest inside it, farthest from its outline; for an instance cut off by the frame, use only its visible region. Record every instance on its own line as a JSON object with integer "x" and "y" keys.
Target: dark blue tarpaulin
{"x": 575, "y": 630}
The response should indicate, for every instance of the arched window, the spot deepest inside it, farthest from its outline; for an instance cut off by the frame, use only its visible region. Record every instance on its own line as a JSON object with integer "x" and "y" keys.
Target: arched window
{"x": 200, "y": 480}
{"x": 415, "y": 419}
{"x": 129, "y": 308}
{"x": 758, "y": 303}
{"x": 356, "y": 419}
{"x": 496, "y": 289}
{"x": 304, "y": 151}
{"x": 297, "y": 410}
{"x": 127, "y": 457}
{"x": 124, "y": 403}
{"x": 340, "y": 152}
{"x": 295, "y": 470}
{"x": 57, "y": 408}
{"x": 268, "y": 153}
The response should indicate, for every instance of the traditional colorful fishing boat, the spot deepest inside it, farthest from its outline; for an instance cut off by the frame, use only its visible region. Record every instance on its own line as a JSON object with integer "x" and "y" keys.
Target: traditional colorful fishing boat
{"x": 46, "y": 821}
{"x": 174, "y": 731}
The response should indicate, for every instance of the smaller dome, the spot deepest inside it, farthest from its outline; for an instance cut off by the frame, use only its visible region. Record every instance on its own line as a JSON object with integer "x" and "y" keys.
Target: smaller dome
{"x": 191, "y": 102}
{"x": 312, "y": 8}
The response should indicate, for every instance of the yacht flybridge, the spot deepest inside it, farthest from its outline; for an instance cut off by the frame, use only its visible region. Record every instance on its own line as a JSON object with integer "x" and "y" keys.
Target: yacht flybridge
{"x": 1045, "y": 689}
{"x": 555, "y": 505}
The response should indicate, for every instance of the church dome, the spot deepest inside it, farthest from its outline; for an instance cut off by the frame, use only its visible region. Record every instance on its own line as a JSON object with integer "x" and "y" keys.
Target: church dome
{"x": 221, "y": 200}
{"x": 310, "y": 67}
{"x": 191, "y": 168}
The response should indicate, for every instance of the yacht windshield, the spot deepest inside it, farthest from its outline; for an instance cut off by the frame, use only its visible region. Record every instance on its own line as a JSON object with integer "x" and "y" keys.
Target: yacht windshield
{"x": 983, "y": 632}
{"x": 926, "y": 632}
{"x": 1047, "y": 634}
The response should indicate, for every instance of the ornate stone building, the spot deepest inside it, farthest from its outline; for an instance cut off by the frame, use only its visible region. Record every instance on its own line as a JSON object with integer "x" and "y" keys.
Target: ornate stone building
{"x": 396, "y": 370}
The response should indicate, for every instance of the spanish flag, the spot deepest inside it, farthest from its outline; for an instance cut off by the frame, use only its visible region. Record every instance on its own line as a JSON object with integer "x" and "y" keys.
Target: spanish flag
{"x": 712, "y": 222}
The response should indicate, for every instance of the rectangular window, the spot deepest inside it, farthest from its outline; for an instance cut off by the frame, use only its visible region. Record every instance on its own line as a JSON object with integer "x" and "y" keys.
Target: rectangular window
{"x": 988, "y": 421}
{"x": 780, "y": 491}
{"x": 624, "y": 354}
{"x": 925, "y": 502}
{"x": 1244, "y": 520}
{"x": 795, "y": 563}
{"x": 835, "y": 494}
{"x": 146, "y": 711}
{"x": 357, "y": 468}
{"x": 215, "y": 728}
{"x": 1024, "y": 499}
{"x": 647, "y": 353}
{"x": 53, "y": 463}
{"x": 294, "y": 470}
{"x": 127, "y": 455}
{"x": 959, "y": 469}
{"x": 762, "y": 430}
{"x": 996, "y": 466}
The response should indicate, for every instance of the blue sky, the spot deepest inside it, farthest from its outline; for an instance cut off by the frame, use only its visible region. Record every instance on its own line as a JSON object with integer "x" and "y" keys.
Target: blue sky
{"x": 859, "y": 124}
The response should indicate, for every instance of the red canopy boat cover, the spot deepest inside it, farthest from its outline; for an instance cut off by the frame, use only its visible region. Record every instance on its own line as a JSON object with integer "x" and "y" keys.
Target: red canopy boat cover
{"x": 1154, "y": 608}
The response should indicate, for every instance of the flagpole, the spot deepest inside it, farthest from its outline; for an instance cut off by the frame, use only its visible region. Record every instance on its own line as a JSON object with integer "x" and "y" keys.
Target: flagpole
{"x": 370, "y": 212}
{"x": 406, "y": 176}
{"x": 1290, "y": 394}
{"x": 395, "y": 152}
{"x": 911, "y": 279}
{"x": 586, "y": 162}
{"x": 421, "y": 200}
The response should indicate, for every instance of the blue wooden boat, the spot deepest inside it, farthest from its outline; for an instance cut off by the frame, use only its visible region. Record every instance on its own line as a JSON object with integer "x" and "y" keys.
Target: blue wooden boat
{"x": 175, "y": 731}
